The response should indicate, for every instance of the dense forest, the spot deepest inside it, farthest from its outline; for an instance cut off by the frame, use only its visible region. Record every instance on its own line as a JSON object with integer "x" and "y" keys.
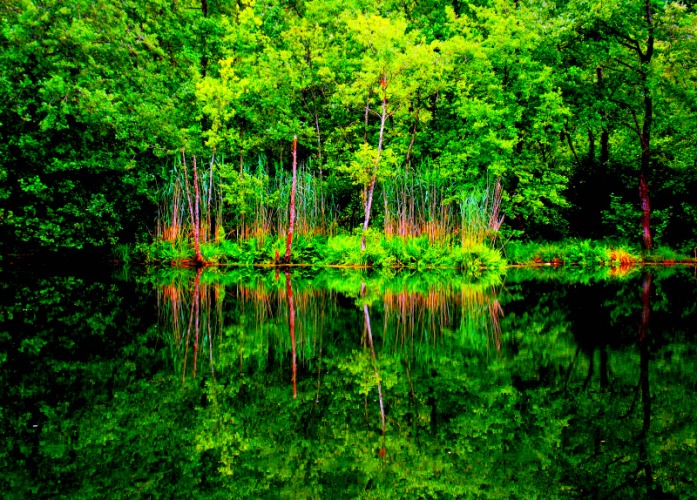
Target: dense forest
{"x": 576, "y": 118}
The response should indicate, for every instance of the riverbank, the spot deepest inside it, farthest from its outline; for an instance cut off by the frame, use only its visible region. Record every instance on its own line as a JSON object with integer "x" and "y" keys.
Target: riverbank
{"x": 339, "y": 250}
{"x": 404, "y": 253}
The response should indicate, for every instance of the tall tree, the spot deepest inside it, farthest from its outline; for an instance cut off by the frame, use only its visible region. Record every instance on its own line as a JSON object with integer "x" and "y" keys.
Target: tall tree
{"x": 392, "y": 67}
{"x": 625, "y": 48}
{"x": 503, "y": 113}
{"x": 86, "y": 111}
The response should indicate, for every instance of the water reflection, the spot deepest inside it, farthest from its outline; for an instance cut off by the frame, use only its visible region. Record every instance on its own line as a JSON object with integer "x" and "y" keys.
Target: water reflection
{"x": 196, "y": 311}
{"x": 501, "y": 372}
{"x": 249, "y": 385}
{"x": 193, "y": 314}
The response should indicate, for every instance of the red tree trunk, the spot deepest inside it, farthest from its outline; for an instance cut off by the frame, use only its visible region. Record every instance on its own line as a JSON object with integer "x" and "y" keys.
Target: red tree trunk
{"x": 645, "y": 135}
{"x": 291, "y": 224}
{"x": 645, "y": 211}
{"x": 197, "y": 218}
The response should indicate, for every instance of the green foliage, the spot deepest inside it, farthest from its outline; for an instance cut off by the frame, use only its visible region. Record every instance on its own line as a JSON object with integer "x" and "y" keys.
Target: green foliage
{"x": 340, "y": 250}
{"x": 433, "y": 100}
{"x": 623, "y": 218}
{"x": 85, "y": 105}
{"x": 573, "y": 251}
{"x": 665, "y": 255}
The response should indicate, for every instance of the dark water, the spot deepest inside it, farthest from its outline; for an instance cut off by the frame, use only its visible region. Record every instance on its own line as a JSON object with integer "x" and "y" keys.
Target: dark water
{"x": 541, "y": 383}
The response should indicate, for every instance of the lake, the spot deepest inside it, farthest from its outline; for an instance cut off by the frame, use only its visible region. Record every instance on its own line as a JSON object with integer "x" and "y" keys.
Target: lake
{"x": 544, "y": 382}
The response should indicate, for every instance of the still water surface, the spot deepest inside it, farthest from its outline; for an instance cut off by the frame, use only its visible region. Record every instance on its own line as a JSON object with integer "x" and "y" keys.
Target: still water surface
{"x": 540, "y": 383}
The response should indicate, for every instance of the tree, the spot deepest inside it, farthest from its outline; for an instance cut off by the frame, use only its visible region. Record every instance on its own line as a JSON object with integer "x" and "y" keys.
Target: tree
{"x": 503, "y": 112}
{"x": 393, "y": 67}
{"x": 86, "y": 111}
{"x": 632, "y": 44}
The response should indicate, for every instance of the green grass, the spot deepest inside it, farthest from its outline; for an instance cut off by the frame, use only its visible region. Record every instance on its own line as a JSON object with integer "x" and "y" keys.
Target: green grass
{"x": 340, "y": 250}
{"x": 415, "y": 253}
{"x": 573, "y": 252}
{"x": 665, "y": 255}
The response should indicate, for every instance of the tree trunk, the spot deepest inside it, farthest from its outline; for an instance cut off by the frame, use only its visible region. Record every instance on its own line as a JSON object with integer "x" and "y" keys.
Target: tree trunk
{"x": 187, "y": 190}
{"x": 368, "y": 204}
{"x": 205, "y": 125}
{"x": 197, "y": 218}
{"x": 291, "y": 223}
{"x": 373, "y": 180}
{"x": 645, "y": 134}
{"x": 604, "y": 134}
{"x": 209, "y": 222}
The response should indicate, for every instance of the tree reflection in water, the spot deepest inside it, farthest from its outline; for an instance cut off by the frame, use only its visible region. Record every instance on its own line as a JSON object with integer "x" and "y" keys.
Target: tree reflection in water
{"x": 448, "y": 372}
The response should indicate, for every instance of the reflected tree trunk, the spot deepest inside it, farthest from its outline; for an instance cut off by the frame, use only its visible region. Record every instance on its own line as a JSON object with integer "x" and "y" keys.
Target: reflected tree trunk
{"x": 197, "y": 315}
{"x": 604, "y": 376}
{"x": 369, "y": 332}
{"x": 591, "y": 369}
{"x": 291, "y": 321}
{"x": 191, "y": 313}
{"x": 644, "y": 462}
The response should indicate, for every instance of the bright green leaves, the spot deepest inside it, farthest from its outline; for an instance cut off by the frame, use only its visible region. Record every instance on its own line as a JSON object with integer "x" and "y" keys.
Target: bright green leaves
{"x": 88, "y": 91}
{"x": 508, "y": 108}
{"x": 548, "y": 97}
{"x": 366, "y": 164}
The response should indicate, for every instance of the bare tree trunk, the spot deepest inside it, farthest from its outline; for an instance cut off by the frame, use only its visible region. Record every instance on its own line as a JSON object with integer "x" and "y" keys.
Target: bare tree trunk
{"x": 371, "y": 187}
{"x": 367, "y": 206}
{"x": 197, "y": 218}
{"x": 187, "y": 190}
{"x": 210, "y": 196}
{"x": 291, "y": 224}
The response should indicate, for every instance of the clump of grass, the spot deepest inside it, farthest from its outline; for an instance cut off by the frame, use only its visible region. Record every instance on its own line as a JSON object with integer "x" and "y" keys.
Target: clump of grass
{"x": 340, "y": 250}
{"x": 665, "y": 255}
{"x": 621, "y": 257}
{"x": 122, "y": 253}
{"x": 571, "y": 252}
{"x": 165, "y": 251}
{"x": 420, "y": 201}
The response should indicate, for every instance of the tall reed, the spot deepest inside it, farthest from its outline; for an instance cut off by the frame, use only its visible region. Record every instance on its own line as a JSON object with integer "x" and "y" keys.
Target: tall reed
{"x": 190, "y": 202}
{"x": 254, "y": 204}
{"x": 419, "y": 201}
{"x": 262, "y": 206}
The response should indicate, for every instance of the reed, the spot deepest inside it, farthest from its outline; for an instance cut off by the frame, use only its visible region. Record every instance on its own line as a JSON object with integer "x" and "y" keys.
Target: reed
{"x": 472, "y": 312}
{"x": 259, "y": 208}
{"x": 190, "y": 204}
{"x": 427, "y": 221}
{"x": 215, "y": 323}
{"x": 419, "y": 201}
